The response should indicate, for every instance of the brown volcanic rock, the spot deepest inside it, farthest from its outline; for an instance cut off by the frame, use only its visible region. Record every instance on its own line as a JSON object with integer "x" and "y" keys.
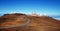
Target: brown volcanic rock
{"x": 37, "y": 23}
{"x": 12, "y": 19}
{"x": 44, "y": 23}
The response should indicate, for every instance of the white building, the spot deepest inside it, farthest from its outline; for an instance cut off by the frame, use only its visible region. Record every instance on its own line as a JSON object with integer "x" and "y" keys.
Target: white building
{"x": 35, "y": 14}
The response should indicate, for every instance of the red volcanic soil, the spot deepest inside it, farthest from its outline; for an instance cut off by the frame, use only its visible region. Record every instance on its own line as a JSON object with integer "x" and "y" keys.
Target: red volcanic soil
{"x": 37, "y": 23}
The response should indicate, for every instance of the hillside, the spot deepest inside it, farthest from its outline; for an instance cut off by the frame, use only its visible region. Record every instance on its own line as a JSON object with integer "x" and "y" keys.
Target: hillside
{"x": 44, "y": 23}
{"x": 37, "y": 23}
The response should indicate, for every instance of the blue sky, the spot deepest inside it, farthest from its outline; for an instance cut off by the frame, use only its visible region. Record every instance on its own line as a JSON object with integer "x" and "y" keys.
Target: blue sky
{"x": 49, "y": 7}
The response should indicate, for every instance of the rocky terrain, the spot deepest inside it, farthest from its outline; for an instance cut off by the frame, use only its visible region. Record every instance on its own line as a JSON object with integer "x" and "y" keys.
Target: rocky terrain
{"x": 37, "y": 23}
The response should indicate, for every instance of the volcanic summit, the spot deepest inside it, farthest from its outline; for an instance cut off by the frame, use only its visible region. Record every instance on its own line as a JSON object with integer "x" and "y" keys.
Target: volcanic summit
{"x": 36, "y": 23}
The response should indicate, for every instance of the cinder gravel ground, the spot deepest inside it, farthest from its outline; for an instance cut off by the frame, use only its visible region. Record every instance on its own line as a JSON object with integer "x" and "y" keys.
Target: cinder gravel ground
{"x": 42, "y": 23}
